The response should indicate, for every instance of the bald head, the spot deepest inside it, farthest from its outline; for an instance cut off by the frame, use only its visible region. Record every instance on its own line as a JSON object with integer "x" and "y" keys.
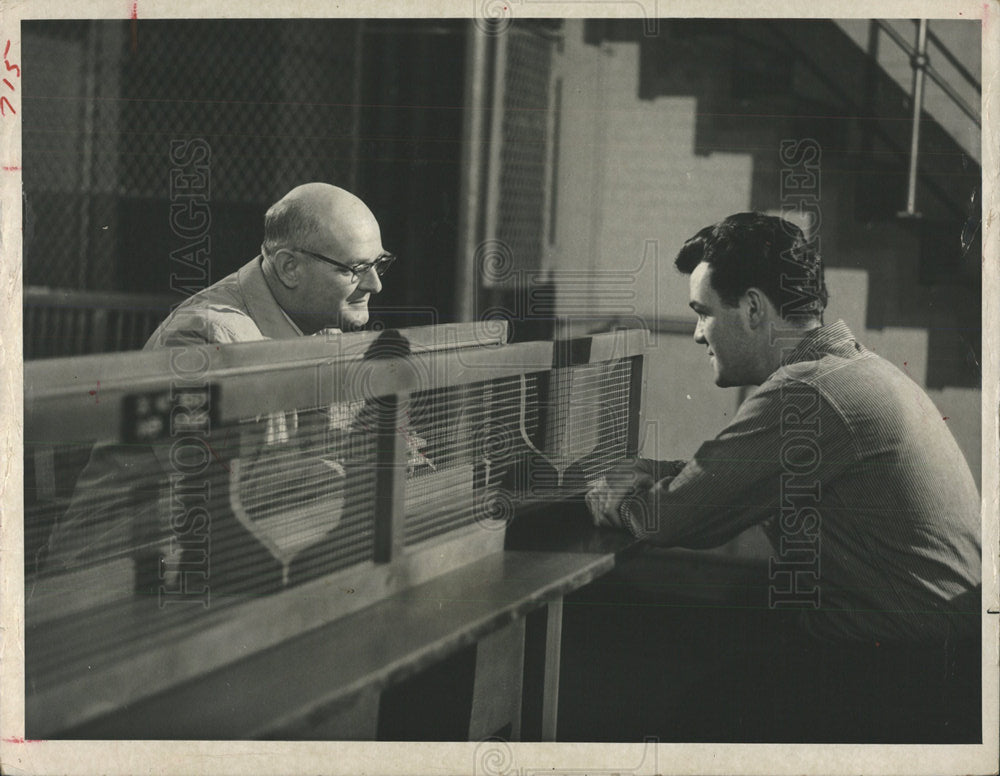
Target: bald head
{"x": 320, "y": 217}
{"x": 312, "y": 237}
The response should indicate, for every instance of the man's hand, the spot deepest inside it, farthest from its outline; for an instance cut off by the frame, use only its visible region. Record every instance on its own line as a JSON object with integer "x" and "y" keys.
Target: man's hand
{"x": 607, "y": 494}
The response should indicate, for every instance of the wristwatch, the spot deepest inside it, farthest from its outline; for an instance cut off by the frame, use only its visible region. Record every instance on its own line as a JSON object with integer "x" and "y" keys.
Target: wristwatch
{"x": 625, "y": 512}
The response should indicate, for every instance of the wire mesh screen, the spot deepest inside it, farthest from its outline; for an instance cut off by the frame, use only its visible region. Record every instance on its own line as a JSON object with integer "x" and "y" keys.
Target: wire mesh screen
{"x": 67, "y": 323}
{"x": 469, "y": 438}
{"x": 270, "y": 486}
{"x": 70, "y": 145}
{"x": 306, "y": 496}
{"x": 524, "y": 153}
{"x": 589, "y": 416}
{"x": 116, "y": 534}
{"x": 490, "y": 447}
{"x": 583, "y": 427}
{"x": 276, "y": 104}
{"x": 125, "y": 544}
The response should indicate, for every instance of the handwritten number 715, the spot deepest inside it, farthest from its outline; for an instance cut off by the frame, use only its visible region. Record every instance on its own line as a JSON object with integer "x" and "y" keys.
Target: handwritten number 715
{"x": 3, "y": 99}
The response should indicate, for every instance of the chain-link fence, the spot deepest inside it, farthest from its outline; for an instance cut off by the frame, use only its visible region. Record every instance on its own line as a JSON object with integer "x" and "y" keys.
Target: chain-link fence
{"x": 365, "y": 104}
{"x": 277, "y": 103}
{"x": 526, "y": 151}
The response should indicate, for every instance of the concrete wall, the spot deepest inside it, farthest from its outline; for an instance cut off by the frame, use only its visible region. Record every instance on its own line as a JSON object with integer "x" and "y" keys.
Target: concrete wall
{"x": 632, "y": 188}
{"x": 962, "y": 39}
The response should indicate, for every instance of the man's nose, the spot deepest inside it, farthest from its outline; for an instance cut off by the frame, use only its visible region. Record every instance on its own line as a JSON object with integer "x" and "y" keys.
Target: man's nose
{"x": 370, "y": 281}
{"x": 699, "y": 334}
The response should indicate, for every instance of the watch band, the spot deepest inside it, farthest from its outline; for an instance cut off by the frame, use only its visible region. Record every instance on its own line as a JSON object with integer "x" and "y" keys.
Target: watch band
{"x": 625, "y": 512}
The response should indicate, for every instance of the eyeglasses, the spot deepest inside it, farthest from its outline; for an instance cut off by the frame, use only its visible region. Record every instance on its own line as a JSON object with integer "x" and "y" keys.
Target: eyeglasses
{"x": 380, "y": 265}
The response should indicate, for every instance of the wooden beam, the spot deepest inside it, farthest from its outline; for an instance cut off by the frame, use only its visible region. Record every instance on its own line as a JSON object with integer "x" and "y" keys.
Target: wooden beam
{"x": 391, "y": 456}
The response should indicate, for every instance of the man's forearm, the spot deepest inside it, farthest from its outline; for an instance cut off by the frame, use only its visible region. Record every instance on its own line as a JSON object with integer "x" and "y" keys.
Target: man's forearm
{"x": 659, "y": 470}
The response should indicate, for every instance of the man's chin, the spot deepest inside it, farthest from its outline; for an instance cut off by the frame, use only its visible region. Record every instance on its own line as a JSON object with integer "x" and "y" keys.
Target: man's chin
{"x": 353, "y": 321}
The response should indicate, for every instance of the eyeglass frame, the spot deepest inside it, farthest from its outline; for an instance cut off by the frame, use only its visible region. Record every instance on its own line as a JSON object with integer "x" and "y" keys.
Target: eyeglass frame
{"x": 380, "y": 265}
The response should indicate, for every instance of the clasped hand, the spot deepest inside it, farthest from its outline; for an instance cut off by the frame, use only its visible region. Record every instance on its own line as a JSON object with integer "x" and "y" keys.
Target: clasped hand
{"x": 607, "y": 494}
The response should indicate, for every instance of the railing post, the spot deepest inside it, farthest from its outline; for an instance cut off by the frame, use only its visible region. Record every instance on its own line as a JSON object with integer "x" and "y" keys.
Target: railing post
{"x": 633, "y": 439}
{"x": 390, "y": 477}
{"x": 918, "y": 61}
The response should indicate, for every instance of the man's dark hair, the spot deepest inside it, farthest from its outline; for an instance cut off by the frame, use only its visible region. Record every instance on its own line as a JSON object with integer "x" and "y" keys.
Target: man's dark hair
{"x": 759, "y": 251}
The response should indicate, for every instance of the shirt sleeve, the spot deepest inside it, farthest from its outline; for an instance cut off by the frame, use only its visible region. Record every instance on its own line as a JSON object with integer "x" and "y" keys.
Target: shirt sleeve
{"x": 785, "y": 436}
{"x": 659, "y": 470}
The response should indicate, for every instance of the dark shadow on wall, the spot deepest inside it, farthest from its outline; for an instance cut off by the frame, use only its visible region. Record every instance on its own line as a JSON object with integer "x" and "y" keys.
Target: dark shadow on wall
{"x": 759, "y": 83}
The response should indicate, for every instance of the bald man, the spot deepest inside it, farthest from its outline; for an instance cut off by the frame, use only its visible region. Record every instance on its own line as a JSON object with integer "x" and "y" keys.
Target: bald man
{"x": 319, "y": 265}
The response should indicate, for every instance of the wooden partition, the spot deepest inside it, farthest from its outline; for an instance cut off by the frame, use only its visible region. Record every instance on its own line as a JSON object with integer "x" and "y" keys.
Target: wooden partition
{"x": 252, "y": 494}
{"x": 60, "y": 322}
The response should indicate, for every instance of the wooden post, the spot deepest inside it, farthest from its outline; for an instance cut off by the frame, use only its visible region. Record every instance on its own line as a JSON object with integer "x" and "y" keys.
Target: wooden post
{"x": 632, "y": 440}
{"x": 497, "y": 686}
{"x": 543, "y": 642}
{"x": 98, "y": 331}
{"x": 390, "y": 476}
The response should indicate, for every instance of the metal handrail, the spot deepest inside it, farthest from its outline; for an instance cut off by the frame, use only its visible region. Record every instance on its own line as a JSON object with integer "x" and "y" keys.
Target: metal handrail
{"x": 922, "y": 67}
{"x": 918, "y": 61}
{"x": 953, "y": 60}
{"x": 934, "y": 75}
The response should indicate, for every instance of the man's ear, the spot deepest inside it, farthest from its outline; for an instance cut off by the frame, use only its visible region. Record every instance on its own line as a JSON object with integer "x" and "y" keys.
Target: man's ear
{"x": 756, "y": 307}
{"x": 287, "y": 268}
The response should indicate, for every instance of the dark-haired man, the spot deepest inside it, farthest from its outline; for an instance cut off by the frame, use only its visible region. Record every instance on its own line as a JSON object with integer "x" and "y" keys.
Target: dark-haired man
{"x": 857, "y": 480}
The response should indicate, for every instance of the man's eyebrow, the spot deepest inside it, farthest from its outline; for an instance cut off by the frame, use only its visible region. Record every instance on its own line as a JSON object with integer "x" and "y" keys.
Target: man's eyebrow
{"x": 695, "y": 305}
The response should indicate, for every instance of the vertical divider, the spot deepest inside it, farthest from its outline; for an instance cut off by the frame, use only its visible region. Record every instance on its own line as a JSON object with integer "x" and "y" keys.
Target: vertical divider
{"x": 390, "y": 477}
{"x": 632, "y": 440}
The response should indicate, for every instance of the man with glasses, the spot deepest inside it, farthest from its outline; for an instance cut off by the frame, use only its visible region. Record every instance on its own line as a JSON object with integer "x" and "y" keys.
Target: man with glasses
{"x": 320, "y": 263}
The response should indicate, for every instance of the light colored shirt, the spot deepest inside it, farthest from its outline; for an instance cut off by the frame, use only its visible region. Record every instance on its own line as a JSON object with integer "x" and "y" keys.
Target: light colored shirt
{"x": 117, "y": 490}
{"x": 861, "y": 488}
{"x": 238, "y": 308}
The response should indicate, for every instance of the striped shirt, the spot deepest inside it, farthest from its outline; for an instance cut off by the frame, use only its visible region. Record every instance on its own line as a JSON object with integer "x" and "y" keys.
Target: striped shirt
{"x": 868, "y": 502}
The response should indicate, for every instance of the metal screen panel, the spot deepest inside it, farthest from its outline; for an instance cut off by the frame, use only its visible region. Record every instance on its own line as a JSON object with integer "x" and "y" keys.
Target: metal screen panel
{"x": 470, "y": 438}
{"x": 131, "y": 549}
{"x": 524, "y": 159}
{"x": 493, "y": 446}
{"x": 583, "y": 428}
{"x": 237, "y": 513}
{"x": 276, "y": 102}
{"x": 67, "y": 323}
{"x": 590, "y": 426}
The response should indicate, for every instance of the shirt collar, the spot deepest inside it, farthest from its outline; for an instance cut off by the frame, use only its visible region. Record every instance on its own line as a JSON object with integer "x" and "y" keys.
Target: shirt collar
{"x": 263, "y": 308}
{"x": 835, "y": 339}
{"x": 330, "y": 330}
{"x": 270, "y": 317}
{"x": 292, "y": 323}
